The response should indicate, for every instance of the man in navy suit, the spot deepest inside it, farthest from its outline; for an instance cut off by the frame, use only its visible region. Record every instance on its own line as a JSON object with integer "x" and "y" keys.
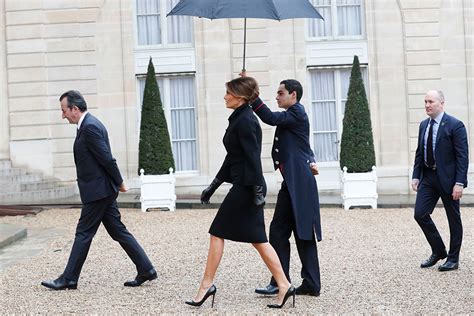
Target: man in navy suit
{"x": 99, "y": 181}
{"x": 297, "y": 207}
{"x": 440, "y": 170}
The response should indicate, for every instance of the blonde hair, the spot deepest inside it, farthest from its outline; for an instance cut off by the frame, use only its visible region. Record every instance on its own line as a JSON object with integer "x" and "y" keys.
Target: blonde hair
{"x": 243, "y": 87}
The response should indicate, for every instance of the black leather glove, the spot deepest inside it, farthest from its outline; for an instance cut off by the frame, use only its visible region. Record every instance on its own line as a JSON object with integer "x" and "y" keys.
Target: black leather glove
{"x": 258, "y": 196}
{"x": 209, "y": 191}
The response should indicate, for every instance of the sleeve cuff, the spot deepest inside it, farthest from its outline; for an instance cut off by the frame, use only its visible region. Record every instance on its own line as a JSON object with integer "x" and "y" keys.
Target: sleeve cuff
{"x": 460, "y": 183}
{"x": 256, "y": 104}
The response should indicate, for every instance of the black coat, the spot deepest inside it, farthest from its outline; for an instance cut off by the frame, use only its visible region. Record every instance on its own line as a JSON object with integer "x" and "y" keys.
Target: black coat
{"x": 243, "y": 143}
{"x": 98, "y": 175}
{"x": 292, "y": 154}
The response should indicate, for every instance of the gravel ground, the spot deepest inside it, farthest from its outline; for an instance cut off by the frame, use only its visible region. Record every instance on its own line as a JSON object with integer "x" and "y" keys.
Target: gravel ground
{"x": 369, "y": 264}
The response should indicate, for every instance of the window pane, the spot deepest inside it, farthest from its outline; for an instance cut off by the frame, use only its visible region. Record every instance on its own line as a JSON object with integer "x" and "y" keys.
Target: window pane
{"x": 349, "y": 17}
{"x": 323, "y": 85}
{"x": 326, "y": 147}
{"x": 182, "y": 121}
{"x": 148, "y": 22}
{"x": 318, "y": 27}
{"x": 324, "y": 115}
{"x": 179, "y": 26}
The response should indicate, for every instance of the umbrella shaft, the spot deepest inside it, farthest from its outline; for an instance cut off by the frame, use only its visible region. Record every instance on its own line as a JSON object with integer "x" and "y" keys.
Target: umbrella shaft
{"x": 245, "y": 42}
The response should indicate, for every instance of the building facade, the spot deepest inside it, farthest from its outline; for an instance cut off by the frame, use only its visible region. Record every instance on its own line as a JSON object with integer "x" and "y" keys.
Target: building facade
{"x": 102, "y": 47}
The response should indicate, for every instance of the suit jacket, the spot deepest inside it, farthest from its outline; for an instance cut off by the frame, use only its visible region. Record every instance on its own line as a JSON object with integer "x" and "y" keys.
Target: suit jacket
{"x": 292, "y": 154}
{"x": 451, "y": 153}
{"x": 98, "y": 175}
{"x": 243, "y": 143}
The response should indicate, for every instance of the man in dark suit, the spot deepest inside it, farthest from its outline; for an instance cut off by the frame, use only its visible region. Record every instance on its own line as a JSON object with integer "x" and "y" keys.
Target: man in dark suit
{"x": 99, "y": 181}
{"x": 440, "y": 170}
{"x": 297, "y": 207}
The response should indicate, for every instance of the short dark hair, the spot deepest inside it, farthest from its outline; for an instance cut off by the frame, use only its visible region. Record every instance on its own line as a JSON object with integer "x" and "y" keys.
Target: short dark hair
{"x": 74, "y": 98}
{"x": 293, "y": 85}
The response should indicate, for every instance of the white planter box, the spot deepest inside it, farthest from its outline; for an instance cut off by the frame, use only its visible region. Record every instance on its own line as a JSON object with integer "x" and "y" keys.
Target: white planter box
{"x": 359, "y": 189}
{"x": 157, "y": 191}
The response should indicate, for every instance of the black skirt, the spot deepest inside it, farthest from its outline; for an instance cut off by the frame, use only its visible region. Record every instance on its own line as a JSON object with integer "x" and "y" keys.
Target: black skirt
{"x": 238, "y": 218}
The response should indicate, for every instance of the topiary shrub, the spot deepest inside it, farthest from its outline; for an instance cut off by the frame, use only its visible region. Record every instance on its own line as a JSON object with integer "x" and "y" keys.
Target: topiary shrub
{"x": 357, "y": 143}
{"x": 155, "y": 155}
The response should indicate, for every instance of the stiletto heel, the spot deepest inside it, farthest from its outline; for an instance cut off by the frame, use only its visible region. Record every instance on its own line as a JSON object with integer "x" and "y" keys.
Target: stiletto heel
{"x": 291, "y": 292}
{"x": 210, "y": 292}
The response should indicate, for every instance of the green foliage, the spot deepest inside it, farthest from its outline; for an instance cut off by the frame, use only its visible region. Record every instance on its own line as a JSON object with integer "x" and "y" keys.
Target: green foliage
{"x": 357, "y": 143}
{"x": 154, "y": 151}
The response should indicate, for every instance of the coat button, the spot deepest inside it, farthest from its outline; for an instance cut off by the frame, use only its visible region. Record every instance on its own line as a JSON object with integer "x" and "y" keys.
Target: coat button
{"x": 307, "y": 161}
{"x": 277, "y": 162}
{"x": 277, "y": 150}
{"x": 276, "y": 138}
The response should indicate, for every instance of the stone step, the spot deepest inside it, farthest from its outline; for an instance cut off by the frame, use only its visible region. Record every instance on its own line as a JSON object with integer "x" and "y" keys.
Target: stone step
{"x": 5, "y": 164}
{"x": 6, "y": 187}
{"x": 10, "y": 233}
{"x": 27, "y": 177}
{"x": 11, "y": 172}
{"x": 35, "y": 197}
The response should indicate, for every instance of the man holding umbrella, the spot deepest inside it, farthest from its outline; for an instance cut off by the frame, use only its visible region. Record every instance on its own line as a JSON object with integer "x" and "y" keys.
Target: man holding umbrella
{"x": 297, "y": 207}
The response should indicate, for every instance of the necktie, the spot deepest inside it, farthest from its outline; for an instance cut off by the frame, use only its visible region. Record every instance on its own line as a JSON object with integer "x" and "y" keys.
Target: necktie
{"x": 430, "y": 161}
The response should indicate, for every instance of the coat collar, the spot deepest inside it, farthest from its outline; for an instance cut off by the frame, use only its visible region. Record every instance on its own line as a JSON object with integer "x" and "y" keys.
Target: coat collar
{"x": 239, "y": 110}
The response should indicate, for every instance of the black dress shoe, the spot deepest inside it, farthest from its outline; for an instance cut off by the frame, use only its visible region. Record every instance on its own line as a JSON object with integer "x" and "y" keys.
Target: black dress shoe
{"x": 142, "y": 278}
{"x": 60, "y": 284}
{"x": 431, "y": 261}
{"x": 448, "y": 266}
{"x": 267, "y": 290}
{"x": 303, "y": 290}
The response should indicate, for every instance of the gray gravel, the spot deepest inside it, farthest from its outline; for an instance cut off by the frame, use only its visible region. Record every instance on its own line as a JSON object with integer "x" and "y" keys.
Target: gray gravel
{"x": 369, "y": 264}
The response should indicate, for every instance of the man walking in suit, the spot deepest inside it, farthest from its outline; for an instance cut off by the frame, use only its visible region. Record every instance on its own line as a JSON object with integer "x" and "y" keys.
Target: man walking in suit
{"x": 440, "y": 170}
{"x": 297, "y": 207}
{"x": 99, "y": 181}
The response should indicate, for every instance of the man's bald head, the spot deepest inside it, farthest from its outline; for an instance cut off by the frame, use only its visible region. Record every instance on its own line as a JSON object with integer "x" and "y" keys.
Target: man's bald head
{"x": 434, "y": 103}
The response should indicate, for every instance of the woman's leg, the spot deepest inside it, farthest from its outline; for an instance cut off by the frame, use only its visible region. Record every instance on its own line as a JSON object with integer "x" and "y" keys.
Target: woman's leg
{"x": 270, "y": 258}
{"x": 216, "y": 249}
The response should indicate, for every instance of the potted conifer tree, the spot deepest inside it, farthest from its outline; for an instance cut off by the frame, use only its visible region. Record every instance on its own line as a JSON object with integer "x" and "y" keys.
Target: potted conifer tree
{"x": 357, "y": 160}
{"x": 155, "y": 156}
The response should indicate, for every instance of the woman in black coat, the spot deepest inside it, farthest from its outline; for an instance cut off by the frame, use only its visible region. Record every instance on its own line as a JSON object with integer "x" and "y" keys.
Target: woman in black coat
{"x": 240, "y": 216}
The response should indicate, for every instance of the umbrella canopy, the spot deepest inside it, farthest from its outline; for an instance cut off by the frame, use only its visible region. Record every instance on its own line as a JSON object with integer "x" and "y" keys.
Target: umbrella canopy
{"x": 258, "y": 9}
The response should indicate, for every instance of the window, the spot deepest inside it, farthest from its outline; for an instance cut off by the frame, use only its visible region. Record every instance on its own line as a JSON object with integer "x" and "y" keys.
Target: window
{"x": 329, "y": 89}
{"x": 154, "y": 28}
{"x": 178, "y": 96}
{"x": 342, "y": 19}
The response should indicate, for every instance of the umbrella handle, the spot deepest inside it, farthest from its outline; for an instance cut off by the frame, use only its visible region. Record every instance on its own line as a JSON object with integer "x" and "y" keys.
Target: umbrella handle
{"x": 245, "y": 42}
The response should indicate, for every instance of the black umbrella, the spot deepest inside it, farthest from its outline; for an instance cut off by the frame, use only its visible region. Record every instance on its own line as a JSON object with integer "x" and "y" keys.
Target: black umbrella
{"x": 258, "y": 9}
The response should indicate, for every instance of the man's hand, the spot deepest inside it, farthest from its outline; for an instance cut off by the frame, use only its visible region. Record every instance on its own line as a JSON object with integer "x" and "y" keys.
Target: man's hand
{"x": 414, "y": 184}
{"x": 243, "y": 73}
{"x": 457, "y": 192}
{"x": 123, "y": 187}
{"x": 314, "y": 169}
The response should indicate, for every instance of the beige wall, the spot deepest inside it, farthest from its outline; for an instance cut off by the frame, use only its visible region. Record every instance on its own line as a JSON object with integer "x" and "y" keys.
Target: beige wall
{"x": 47, "y": 47}
{"x": 4, "y": 119}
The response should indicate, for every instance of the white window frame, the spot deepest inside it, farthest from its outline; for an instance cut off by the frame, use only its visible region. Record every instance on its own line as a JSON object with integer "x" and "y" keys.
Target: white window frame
{"x": 165, "y": 100}
{"x": 335, "y": 26}
{"x": 338, "y": 99}
{"x": 164, "y": 30}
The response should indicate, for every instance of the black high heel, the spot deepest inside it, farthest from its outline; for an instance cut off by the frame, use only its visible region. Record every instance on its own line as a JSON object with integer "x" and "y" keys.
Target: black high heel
{"x": 211, "y": 291}
{"x": 291, "y": 292}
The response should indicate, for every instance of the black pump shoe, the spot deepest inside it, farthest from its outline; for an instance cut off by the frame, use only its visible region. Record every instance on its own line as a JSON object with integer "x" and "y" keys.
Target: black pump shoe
{"x": 291, "y": 292}
{"x": 210, "y": 292}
